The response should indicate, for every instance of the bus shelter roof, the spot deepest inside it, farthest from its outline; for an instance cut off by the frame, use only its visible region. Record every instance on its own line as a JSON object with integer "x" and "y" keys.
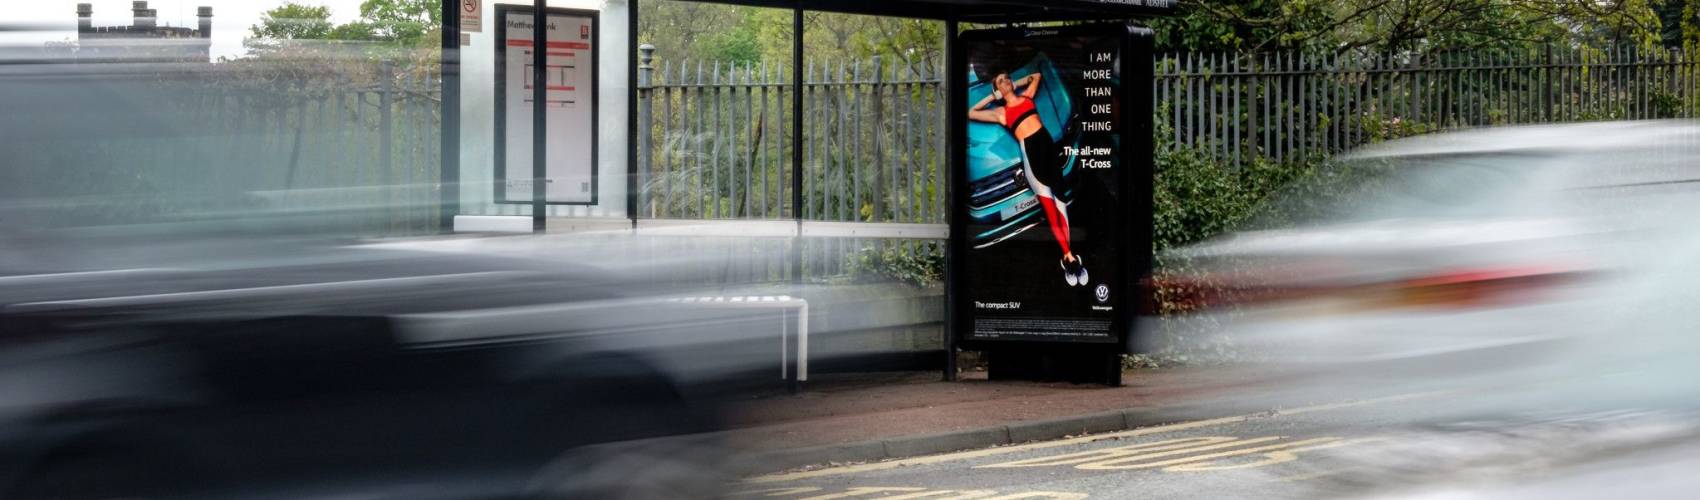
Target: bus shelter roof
{"x": 978, "y": 11}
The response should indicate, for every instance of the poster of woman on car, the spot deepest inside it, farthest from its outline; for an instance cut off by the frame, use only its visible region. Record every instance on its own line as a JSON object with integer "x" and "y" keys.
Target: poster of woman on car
{"x": 1046, "y": 219}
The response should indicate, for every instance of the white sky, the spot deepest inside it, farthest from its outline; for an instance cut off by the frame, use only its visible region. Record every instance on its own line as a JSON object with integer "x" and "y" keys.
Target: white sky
{"x": 231, "y": 18}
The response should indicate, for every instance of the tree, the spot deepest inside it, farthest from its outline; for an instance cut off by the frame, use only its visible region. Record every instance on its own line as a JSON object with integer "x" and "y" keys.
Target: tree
{"x": 405, "y": 22}
{"x": 293, "y": 21}
{"x": 290, "y": 21}
{"x": 1679, "y": 24}
{"x": 396, "y": 23}
{"x": 675, "y": 27}
{"x": 737, "y": 44}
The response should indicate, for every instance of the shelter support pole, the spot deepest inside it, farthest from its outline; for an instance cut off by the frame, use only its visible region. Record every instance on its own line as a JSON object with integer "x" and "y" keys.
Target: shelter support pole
{"x": 539, "y": 119}
{"x": 448, "y": 177}
{"x": 955, "y": 103}
{"x": 797, "y": 151}
{"x": 632, "y": 154}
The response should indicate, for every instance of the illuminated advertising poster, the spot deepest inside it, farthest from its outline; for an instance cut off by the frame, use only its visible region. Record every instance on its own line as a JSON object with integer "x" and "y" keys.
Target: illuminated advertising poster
{"x": 570, "y": 106}
{"x": 1049, "y": 198}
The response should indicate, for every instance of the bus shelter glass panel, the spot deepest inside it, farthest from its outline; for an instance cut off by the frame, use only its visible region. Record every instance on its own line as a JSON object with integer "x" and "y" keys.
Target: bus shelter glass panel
{"x": 715, "y": 111}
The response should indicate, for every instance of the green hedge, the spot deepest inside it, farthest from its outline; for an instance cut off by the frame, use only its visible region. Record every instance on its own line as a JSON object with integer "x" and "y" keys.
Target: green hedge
{"x": 1197, "y": 198}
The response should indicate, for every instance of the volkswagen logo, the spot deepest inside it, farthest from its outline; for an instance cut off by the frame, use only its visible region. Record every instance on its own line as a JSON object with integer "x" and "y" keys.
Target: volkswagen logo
{"x": 1103, "y": 293}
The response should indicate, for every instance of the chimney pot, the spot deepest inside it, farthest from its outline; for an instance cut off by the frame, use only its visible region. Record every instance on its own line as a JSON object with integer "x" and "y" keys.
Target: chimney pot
{"x": 145, "y": 18}
{"x": 139, "y": 14}
{"x": 85, "y": 18}
{"x": 205, "y": 25}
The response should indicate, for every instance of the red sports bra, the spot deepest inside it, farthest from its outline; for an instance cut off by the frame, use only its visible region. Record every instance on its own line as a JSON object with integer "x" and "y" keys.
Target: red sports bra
{"x": 1014, "y": 113}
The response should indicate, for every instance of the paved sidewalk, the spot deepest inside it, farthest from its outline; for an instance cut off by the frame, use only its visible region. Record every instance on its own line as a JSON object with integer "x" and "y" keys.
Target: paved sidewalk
{"x": 840, "y": 418}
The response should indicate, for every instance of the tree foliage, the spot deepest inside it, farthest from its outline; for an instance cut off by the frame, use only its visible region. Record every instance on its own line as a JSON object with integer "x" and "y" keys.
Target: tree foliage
{"x": 1680, "y": 24}
{"x": 698, "y": 31}
{"x": 683, "y": 30}
{"x": 407, "y": 24}
{"x": 293, "y": 21}
{"x": 297, "y": 48}
{"x": 1406, "y": 26}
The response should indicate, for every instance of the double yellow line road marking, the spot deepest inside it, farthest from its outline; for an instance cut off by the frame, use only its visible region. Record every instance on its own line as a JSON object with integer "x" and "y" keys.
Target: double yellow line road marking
{"x": 1278, "y": 452}
{"x": 1187, "y": 454}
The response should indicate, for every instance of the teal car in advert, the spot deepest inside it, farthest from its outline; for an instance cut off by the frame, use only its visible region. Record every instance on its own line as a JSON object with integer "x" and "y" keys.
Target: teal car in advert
{"x": 1000, "y": 204}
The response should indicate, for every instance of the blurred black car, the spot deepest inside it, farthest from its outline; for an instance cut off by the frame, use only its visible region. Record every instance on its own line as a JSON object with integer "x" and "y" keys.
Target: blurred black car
{"x": 274, "y": 368}
{"x": 192, "y": 306}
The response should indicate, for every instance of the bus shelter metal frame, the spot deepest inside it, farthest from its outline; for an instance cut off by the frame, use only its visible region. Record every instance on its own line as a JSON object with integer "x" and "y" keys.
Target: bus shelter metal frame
{"x": 951, "y": 12}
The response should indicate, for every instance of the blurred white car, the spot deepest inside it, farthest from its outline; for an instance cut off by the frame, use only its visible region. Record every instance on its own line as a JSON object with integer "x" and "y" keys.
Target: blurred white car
{"x": 1487, "y": 241}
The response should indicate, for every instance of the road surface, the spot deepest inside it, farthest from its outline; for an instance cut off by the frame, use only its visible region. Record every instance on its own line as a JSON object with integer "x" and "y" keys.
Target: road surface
{"x": 1395, "y": 437}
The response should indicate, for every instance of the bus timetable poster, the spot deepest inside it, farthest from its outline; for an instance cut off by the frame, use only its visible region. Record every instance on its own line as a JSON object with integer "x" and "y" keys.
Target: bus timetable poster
{"x": 570, "y": 107}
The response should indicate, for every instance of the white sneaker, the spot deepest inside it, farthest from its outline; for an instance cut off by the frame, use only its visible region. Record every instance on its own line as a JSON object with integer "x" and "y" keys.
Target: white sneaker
{"x": 1068, "y": 274}
{"x": 1082, "y": 278}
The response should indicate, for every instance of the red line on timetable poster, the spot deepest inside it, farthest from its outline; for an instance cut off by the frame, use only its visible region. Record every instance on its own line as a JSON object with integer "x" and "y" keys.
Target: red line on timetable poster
{"x": 562, "y": 102}
{"x": 552, "y": 44}
{"x": 568, "y": 88}
{"x": 555, "y": 53}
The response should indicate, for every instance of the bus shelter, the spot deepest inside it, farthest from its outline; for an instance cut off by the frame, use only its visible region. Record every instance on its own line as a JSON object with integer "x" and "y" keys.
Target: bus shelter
{"x": 564, "y": 88}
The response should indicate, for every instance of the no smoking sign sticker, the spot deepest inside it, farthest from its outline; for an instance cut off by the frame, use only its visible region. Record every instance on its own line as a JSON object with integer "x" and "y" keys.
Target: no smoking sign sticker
{"x": 471, "y": 16}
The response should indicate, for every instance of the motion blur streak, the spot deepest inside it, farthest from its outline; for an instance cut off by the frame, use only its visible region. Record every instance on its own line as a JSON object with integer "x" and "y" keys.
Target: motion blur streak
{"x": 209, "y": 292}
{"x": 230, "y": 280}
{"x": 1550, "y": 268}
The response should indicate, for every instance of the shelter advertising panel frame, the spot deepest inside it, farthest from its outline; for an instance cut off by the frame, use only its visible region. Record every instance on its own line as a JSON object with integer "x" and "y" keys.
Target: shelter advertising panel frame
{"x": 1131, "y": 238}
